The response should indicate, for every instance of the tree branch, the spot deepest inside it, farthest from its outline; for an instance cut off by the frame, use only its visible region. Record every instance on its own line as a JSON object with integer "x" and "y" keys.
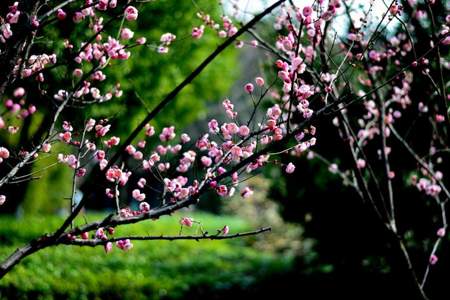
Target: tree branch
{"x": 97, "y": 242}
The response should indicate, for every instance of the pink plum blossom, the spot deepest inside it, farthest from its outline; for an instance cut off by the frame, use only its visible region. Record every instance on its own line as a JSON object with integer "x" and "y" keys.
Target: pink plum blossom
{"x": 290, "y": 168}
{"x": 225, "y": 230}
{"x": 433, "y": 259}
{"x": 126, "y": 34}
{"x": 249, "y": 88}
{"x": 61, "y": 14}
{"x": 131, "y": 13}
{"x": 259, "y": 81}
{"x": 186, "y": 221}
{"x": 138, "y": 195}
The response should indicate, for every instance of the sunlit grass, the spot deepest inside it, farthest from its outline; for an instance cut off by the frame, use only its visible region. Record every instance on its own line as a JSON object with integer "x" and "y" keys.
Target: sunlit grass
{"x": 150, "y": 270}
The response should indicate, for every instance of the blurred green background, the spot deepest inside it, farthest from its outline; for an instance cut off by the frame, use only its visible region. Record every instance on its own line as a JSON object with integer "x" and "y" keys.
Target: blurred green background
{"x": 325, "y": 243}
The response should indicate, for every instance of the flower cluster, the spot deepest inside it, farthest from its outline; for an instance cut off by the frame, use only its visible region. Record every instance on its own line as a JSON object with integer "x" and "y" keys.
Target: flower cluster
{"x": 11, "y": 18}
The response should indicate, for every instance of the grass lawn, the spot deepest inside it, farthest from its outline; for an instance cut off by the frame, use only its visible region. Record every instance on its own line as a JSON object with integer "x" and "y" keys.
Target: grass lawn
{"x": 151, "y": 270}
